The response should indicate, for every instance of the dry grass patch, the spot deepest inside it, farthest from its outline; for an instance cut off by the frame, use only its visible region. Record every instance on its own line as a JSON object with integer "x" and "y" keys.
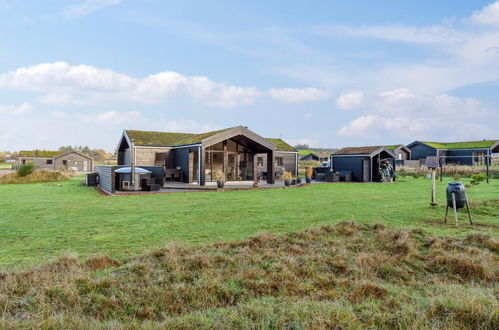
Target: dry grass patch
{"x": 36, "y": 177}
{"x": 346, "y": 275}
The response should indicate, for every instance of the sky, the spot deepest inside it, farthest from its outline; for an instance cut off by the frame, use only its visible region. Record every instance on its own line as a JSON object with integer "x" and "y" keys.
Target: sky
{"x": 323, "y": 73}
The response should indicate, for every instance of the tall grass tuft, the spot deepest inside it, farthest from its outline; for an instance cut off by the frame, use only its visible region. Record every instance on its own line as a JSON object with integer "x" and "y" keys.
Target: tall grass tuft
{"x": 35, "y": 177}
{"x": 345, "y": 276}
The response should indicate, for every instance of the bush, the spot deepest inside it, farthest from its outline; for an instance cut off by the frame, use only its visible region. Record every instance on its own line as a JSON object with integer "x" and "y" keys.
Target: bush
{"x": 456, "y": 177}
{"x": 25, "y": 170}
{"x": 477, "y": 178}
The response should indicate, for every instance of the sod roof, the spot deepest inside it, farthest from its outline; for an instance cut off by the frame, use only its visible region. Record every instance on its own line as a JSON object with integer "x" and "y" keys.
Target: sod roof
{"x": 461, "y": 145}
{"x": 393, "y": 146}
{"x": 171, "y": 139}
{"x": 357, "y": 150}
{"x": 39, "y": 153}
{"x": 281, "y": 145}
{"x": 304, "y": 152}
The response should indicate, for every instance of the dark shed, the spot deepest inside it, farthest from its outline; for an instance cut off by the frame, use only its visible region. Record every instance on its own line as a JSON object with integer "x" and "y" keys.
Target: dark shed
{"x": 362, "y": 162}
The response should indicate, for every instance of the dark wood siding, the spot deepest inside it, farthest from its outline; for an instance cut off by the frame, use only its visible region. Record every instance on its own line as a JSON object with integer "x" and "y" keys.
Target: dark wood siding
{"x": 421, "y": 151}
{"x": 349, "y": 163}
{"x": 106, "y": 182}
{"x": 181, "y": 158}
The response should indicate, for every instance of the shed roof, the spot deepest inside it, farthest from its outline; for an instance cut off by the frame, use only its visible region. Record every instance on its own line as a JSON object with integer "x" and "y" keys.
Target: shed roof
{"x": 40, "y": 153}
{"x": 461, "y": 145}
{"x": 357, "y": 150}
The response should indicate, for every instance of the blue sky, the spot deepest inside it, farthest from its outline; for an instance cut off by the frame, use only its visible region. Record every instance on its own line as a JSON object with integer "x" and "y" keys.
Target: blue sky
{"x": 326, "y": 73}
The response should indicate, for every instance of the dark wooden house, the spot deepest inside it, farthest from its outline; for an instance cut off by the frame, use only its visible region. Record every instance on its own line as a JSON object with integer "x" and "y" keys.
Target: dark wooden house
{"x": 400, "y": 151}
{"x": 316, "y": 156}
{"x": 57, "y": 160}
{"x": 237, "y": 151}
{"x": 361, "y": 162}
{"x": 460, "y": 153}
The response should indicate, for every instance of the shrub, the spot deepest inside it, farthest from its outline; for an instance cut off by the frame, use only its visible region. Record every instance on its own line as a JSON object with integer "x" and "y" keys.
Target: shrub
{"x": 456, "y": 177}
{"x": 25, "y": 170}
{"x": 287, "y": 176}
{"x": 477, "y": 178}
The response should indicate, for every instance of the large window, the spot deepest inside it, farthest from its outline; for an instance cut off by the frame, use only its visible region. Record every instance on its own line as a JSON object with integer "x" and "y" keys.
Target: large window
{"x": 278, "y": 161}
{"x": 479, "y": 158}
{"x": 160, "y": 159}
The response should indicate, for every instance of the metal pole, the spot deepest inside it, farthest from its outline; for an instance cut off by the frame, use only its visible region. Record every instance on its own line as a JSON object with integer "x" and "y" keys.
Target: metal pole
{"x": 468, "y": 208}
{"x": 455, "y": 208}
{"x": 433, "y": 202}
{"x": 487, "y": 159}
{"x": 441, "y": 169}
{"x": 132, "y": 167}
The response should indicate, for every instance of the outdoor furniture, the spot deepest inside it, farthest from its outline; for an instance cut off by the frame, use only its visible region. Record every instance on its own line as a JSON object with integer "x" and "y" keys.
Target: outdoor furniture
{"x": 331, "y": 176}
{"x": 345, "y": 176}
{"x": 177, "y": 174}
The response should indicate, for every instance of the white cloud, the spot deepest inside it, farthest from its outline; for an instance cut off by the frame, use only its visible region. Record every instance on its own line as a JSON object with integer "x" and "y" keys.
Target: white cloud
{"x": 57, "y": 114}
{"x": 405, "y": 114}
{"x": 87, "y": 7}
{"x": 14, "y": 109}
{"x": 437, "y": 34}
{"x": 488, "y": 15}
{"x": 183, "y": 126}
{"x": 297, "y": 95}
{"x": 349, "y": 100}
{"x": 60, "y": 83}
{"x": 112, "y": 117}
{"x": 308, "y": 141}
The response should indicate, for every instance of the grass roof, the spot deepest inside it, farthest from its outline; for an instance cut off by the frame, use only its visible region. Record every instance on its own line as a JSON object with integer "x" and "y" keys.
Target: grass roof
{"x": 167, "y": 139}
{"x": 39, "y": 153}
{"x": 170, "y": 139}
{"x": 304, "y": 152}
{"x": 393, "y": 146}
{"x": 461, "y": 145}
{"x": 281, "y": 145}
{"x": 357, "y": 150}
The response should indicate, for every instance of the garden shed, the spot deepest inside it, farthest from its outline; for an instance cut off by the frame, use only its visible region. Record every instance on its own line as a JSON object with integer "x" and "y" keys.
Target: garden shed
{"x": 361, "y": 162}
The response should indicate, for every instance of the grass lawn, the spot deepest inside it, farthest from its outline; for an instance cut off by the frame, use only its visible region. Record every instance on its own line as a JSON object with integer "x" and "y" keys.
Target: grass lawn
{"x": 39, "y": 222}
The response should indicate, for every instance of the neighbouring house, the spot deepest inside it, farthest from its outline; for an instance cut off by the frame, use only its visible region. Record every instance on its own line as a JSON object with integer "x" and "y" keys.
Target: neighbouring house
{"x": 316, "y": 156}
{"x": 237, "y": 151}
{"x": 400, "y": 151}
{"x": 361, "y": 162}
{"x": 57, "y": 160}
{"x": 461, "y": 153}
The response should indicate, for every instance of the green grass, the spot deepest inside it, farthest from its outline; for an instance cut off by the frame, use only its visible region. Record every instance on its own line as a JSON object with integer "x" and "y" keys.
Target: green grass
{"x": 39, "y": 222}
{"x": 304, "y": 152}
{"x": 348, "y": 276}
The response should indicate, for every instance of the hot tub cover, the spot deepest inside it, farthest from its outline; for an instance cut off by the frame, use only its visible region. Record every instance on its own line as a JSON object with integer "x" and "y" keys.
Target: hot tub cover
{"x": 138, "y": 170}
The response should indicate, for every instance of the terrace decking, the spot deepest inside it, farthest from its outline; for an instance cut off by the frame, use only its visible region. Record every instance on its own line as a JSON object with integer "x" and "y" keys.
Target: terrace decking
{"x": 210, "y": 186}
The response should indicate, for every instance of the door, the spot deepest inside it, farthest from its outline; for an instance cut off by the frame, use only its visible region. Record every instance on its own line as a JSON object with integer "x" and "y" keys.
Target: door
{"x": 85, "y": 166}
{"x": 365, "y": 170}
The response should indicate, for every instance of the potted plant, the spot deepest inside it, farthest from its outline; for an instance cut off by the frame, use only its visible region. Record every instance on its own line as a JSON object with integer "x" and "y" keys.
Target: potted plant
{"x": 287, "y": 177}
{"x": 219, "y": 176}
{"x": 308, "y": 179}
{"x": 255, "y": 184}
{"x": 293, "y": 181}
{"x": 298, "y": 179}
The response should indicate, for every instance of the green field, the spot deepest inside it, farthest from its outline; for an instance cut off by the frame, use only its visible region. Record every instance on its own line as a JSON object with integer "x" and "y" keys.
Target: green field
{"x": 39, "y": 222}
